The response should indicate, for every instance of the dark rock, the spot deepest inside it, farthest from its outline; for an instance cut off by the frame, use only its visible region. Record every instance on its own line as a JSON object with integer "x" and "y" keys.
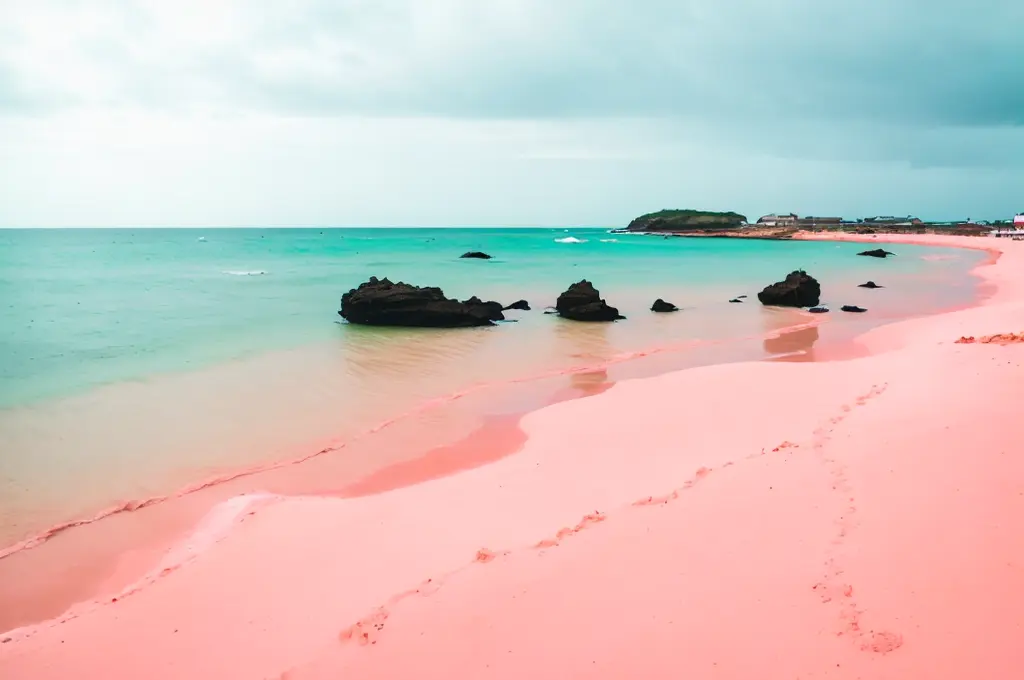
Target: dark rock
{"x": 379, "y": 302}
{"x": 662, "y": 306}
{"x": 818, "y": 310}
{"x": 853, "y": 308}
{"x": 741, "y": 297}
{"x": 491, "y": 309}
{"x": 736, "y": 300}
{"x": 518, "y": 304}
{"x": 877, "y": 252}
{"x": 582, "y": 302}
{"x": 798, "y": 290}
{"x": 475, "y": 255}
{"x": 870, "y": 284}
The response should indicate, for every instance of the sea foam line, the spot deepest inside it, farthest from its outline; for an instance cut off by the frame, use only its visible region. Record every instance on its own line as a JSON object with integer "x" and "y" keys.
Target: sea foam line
{"x": 213, "y": 528}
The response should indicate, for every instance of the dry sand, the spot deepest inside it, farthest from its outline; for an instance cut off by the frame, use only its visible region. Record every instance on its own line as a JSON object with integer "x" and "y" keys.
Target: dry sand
{"x": 856, "y": 519}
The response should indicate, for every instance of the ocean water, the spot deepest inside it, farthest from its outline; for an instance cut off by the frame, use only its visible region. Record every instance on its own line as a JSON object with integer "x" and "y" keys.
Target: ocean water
{"x": 135, "y": 363}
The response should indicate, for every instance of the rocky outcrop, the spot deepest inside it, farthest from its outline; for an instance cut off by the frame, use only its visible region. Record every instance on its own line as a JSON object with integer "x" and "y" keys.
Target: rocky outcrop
{"x": 686, "y": 220}
{"x": 518, "y": 304}
{"x": 662, "y": 306}
{"x": 492, "y": 309}
{"x": 877, "y": 252}
{"x": 797, "y": 290}
{"x": 475, "y": 255}
{"x": 582, "y": 302}
{"x": 379, "y": 302}
{"x": 853, "y": 308}
{"x": 870, "y": 284}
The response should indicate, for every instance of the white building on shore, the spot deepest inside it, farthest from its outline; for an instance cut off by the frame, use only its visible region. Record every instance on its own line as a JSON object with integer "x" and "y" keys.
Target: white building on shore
{"x": 774, "y": 220}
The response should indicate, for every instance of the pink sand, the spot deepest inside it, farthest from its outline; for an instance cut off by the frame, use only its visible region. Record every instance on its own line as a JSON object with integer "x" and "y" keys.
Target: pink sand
{"x": 841, "y": 520}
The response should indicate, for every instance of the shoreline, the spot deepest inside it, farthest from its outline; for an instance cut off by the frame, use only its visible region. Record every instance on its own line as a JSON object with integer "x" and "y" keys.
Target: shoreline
{"x": 549, "y": 431}
{"x": 334, "y": 444}
{"x": 176, "y": 514}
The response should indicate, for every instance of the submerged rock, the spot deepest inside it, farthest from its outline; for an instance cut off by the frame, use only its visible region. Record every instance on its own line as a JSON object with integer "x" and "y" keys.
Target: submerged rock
{"x": 877, "y": 252}
{"x": 518, "y": 304}
{"x": 475, "y": 255}
{"x": 798, "y": 290}
{"x": 818, "y": 310}
{"x": 662, "y": 306}
{"x": 870, "y": 284}
{"x": 582, "y": 302}
{"x": 379, "y": 302}
{"x": 736, "y": 300}
{"x": 853, "y": 308}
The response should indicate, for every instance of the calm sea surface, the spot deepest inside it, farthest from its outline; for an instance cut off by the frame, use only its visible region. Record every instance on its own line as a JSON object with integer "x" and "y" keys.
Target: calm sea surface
{"x": 136, "y": 362}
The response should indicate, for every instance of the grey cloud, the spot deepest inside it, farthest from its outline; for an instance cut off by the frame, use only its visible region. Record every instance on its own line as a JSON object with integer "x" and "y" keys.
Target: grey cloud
{"x": 890, "y": 61}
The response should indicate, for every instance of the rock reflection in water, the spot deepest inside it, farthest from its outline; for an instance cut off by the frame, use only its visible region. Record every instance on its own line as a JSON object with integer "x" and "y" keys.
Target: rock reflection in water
{"x": 795, "y": 345}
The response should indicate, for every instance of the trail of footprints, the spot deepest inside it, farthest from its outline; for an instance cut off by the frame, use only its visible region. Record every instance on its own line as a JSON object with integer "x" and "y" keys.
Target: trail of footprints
{"x": 831, "y": 589}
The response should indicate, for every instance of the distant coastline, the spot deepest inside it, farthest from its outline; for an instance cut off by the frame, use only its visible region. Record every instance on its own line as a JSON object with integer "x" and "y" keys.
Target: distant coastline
{"x": 710, "y": 224}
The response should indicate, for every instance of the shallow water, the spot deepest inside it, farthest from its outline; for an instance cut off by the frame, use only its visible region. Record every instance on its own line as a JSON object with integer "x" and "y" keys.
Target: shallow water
{"x": 135, "y": 363}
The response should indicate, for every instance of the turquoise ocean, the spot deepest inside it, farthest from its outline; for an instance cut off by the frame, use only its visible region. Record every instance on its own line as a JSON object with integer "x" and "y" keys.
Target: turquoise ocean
{"x": 135, "y": 363}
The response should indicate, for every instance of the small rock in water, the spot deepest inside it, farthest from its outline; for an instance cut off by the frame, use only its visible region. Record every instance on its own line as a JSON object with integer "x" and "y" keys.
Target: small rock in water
{"x": 736, "y": 300}
{"x": 877, "y": 252}
{"x": 582, "y": 302}
{"x": 662, "y": 306}
{"x": 741, "y": 297}
{"x": 818, "y": 310}
{"x": 853, "y": 308}
{"x": 518, "y": 304}
{"x": 475, "y": 255}
{"x": 870, "y": 284}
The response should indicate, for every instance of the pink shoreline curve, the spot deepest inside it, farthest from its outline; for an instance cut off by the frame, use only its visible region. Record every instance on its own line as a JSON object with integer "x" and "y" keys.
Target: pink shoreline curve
{"x": 820, "y": 520}
{"x": 335, "y": 445}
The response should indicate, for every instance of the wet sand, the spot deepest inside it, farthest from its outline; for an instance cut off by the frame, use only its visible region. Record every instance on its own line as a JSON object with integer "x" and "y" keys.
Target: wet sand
{"x": 835, "y": 519}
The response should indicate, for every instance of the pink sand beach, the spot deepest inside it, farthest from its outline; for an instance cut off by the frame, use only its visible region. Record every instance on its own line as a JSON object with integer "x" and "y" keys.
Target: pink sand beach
{"x": 770, "y": 520}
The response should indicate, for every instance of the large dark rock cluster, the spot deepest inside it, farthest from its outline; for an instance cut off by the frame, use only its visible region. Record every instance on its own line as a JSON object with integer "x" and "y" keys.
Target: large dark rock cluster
{"x": 379, "y": 302}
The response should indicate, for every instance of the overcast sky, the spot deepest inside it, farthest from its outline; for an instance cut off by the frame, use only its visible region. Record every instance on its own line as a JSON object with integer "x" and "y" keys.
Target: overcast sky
{"x": 505, "y": 112}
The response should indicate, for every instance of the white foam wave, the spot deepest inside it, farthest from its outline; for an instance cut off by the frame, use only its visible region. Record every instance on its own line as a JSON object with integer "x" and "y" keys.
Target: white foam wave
{"x": 609, "y": 240}
{"x": 214, "y": 527}
{"x": 570, "y": 239}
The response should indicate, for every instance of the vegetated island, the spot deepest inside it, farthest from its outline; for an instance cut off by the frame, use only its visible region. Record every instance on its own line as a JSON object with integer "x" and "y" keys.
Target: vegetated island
{"x": 682, "y": 221}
